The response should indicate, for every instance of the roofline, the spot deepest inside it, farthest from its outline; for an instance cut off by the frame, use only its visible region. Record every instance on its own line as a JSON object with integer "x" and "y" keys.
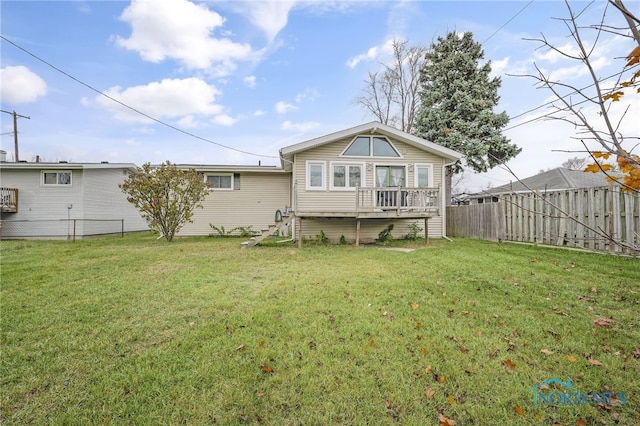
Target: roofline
{"x": 373, "y": 127}
{"x": 231, "y": 168}
{"x": 63, "y": 165}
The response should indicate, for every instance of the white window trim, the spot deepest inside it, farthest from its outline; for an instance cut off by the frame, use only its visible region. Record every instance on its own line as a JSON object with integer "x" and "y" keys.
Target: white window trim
{"x": 57, "y": 172}
{"x": 430, "y": 173}
{"x": 342, "y": 154}
{"x": 363, "y": 176}
{"x": 406, "y": 171}
{"x": 307, "y": 176}
{"x": 206, "y": 175}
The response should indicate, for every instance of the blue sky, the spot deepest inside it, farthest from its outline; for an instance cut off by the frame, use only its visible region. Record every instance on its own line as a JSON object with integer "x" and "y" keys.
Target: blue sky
{"x": 256, "y": 75}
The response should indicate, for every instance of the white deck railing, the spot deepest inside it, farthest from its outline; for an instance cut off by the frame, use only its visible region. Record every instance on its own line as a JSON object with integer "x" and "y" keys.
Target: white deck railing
{"x": 397, "y": 198}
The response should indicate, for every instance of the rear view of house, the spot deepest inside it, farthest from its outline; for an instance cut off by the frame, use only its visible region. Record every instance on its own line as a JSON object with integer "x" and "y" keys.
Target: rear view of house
{"x": 348, "y": 185}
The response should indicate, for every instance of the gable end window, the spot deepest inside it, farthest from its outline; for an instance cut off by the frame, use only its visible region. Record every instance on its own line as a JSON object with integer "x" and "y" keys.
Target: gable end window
{"x": 51, "y": 178}
{"x": 371, "y": 146}
{"x": 223, "y": 181}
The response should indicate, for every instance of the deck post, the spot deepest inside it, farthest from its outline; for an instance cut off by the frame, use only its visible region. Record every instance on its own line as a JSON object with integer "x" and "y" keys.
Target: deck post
{"x": 426, "y": 230}
{"x": 357, "y": 232}
{"x": 299, "y": 220}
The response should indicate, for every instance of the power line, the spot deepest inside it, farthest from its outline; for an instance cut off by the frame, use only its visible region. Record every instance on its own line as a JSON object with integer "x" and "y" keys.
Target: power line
{"x": 507, "y": 23}
{"x": 132, "y": 108}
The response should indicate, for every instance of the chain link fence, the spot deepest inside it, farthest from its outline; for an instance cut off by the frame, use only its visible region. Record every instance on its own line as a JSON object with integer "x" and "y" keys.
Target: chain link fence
{"x": 69, "y": 229}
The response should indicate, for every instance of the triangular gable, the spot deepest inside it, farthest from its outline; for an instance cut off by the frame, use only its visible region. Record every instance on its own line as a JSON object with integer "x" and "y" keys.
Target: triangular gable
{"x": 373, "y": 127}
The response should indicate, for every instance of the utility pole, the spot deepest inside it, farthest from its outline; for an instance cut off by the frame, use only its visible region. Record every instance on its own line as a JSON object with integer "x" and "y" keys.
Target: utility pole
{"x": 15, "y": 129}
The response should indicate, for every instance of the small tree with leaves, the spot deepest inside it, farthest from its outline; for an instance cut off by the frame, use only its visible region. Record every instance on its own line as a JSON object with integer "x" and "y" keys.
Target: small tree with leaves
{"x": 165, "y": 195}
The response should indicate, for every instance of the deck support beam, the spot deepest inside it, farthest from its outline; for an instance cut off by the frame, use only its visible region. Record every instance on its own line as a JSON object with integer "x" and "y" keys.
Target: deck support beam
{"x": 299, "y": 222}
{"x": 357, "y": 232}
{"x": 426, "y": 230}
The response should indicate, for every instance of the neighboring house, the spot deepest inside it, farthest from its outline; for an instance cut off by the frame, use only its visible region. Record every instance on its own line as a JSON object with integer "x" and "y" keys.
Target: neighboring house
{"x": 352, "y": 183}
{"x": 555, "y": 179}
{"x": 65, "y": 200}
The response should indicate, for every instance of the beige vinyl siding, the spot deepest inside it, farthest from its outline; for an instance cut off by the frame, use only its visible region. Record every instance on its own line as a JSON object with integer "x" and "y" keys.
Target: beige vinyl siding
{"x": 254, "y": 204}
{"x": 344, "y": 201}
{"x": 334, "y": 228}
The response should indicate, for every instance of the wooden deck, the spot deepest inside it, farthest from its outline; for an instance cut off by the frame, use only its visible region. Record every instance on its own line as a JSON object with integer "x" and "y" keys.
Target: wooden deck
{"x": 9, "y": 200}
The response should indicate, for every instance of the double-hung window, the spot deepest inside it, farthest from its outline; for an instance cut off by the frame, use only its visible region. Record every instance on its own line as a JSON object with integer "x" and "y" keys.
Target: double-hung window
{"x": 222, "y": 181}
{"x": 56, "y": 177}
{"x": 315, "y": 176}
{"x": 345, "y": 176}
{"x": 423, "y": 175}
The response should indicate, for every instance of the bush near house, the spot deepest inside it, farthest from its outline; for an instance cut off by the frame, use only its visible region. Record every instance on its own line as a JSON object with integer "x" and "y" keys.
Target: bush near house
{"x": 137, "y": 331}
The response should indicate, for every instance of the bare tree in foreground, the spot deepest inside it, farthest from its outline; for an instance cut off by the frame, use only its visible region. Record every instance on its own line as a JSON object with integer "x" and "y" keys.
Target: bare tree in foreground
{"x": 600, "y": 133}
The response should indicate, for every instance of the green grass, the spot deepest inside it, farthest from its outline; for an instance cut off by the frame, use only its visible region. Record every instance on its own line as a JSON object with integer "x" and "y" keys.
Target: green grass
{"x": 138, "y": 331}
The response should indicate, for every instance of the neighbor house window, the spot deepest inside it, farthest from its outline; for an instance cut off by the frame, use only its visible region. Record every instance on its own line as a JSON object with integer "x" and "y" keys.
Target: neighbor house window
{"x": 315, "y": 175}
{"x": 222, "y": 181}
{"x": 56, "y": 178}
{"x": 423, "y": 175}
{"x": 346, "y": 176}
{"x": 371, "y": 146}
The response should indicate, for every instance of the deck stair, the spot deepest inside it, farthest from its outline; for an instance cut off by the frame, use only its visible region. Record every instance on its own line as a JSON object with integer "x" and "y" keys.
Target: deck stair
{"x": 286, "y": 220}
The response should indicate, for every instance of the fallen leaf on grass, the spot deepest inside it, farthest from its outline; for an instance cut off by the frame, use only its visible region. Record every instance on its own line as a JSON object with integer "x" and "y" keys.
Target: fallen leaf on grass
{"x": 266, "y": 369}
{"x": 603, "y": 322}
{"x": 429, "y": 393}
{"x": 427, "y": 369}
{"x": 595, "y": 362}
{"x": 546, "y": 351}
{"x": 418, "y": 325}
{"x": 571, "y": 358}
{"x": 509, "y": 364}
{"x": 519, "y": 410}
{"x": 445, "y": 421}
{"x": 452, "y": 400}
{"x": 261, "y": 344}
{"x": 581, "y": 422}
{"x": 636, "y": 352}
{"x": 372, "y": 342}
{"x": 424, "y": 351}
{"x": 414, "y": 305}
{"x": 239, "y": 348}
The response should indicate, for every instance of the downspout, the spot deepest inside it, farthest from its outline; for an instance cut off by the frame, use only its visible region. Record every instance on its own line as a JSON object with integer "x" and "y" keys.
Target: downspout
{"x": 443, "y": 192}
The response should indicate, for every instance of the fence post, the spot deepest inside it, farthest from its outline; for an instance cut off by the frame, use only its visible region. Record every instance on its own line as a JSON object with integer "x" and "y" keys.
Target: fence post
{"x": 74, "y": 230}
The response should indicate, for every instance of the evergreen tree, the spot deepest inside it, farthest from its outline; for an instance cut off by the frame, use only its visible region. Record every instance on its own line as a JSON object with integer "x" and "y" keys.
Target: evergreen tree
{"x": 457, "y": 98}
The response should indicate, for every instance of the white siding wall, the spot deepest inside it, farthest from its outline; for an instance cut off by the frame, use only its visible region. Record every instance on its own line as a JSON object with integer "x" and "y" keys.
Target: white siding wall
{"x": 93, "y": 194}
{"x": 254, "y": 204}
{"x": 336, "y": 201}
{"x": 103, "y": 199}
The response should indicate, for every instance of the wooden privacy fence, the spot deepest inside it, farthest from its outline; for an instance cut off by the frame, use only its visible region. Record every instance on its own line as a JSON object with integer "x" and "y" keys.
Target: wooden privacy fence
{"x": 592, "y": 219}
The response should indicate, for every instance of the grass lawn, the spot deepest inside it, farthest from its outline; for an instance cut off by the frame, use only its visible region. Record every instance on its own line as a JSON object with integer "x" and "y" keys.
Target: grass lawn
{"x": 138, "y": 331}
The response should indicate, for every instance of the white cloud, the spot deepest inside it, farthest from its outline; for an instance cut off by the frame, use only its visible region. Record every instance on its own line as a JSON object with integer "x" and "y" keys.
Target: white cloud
{"x": 374, "y": 53}
{"x": 308, "y": 94}
{"x": 250, "y": 81}
{"x": 259, "y": 113}
{"x": 181, "y": 30}
{"x": 224, "y": 120}
{"x": 498, "y": 67}
{"x": 299, "y": 127}
{"x": 20, "y": 85}
{"x": 270, "y": 16}
{"x": 169, "y": 98}
{"x": 284, "y": 107}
